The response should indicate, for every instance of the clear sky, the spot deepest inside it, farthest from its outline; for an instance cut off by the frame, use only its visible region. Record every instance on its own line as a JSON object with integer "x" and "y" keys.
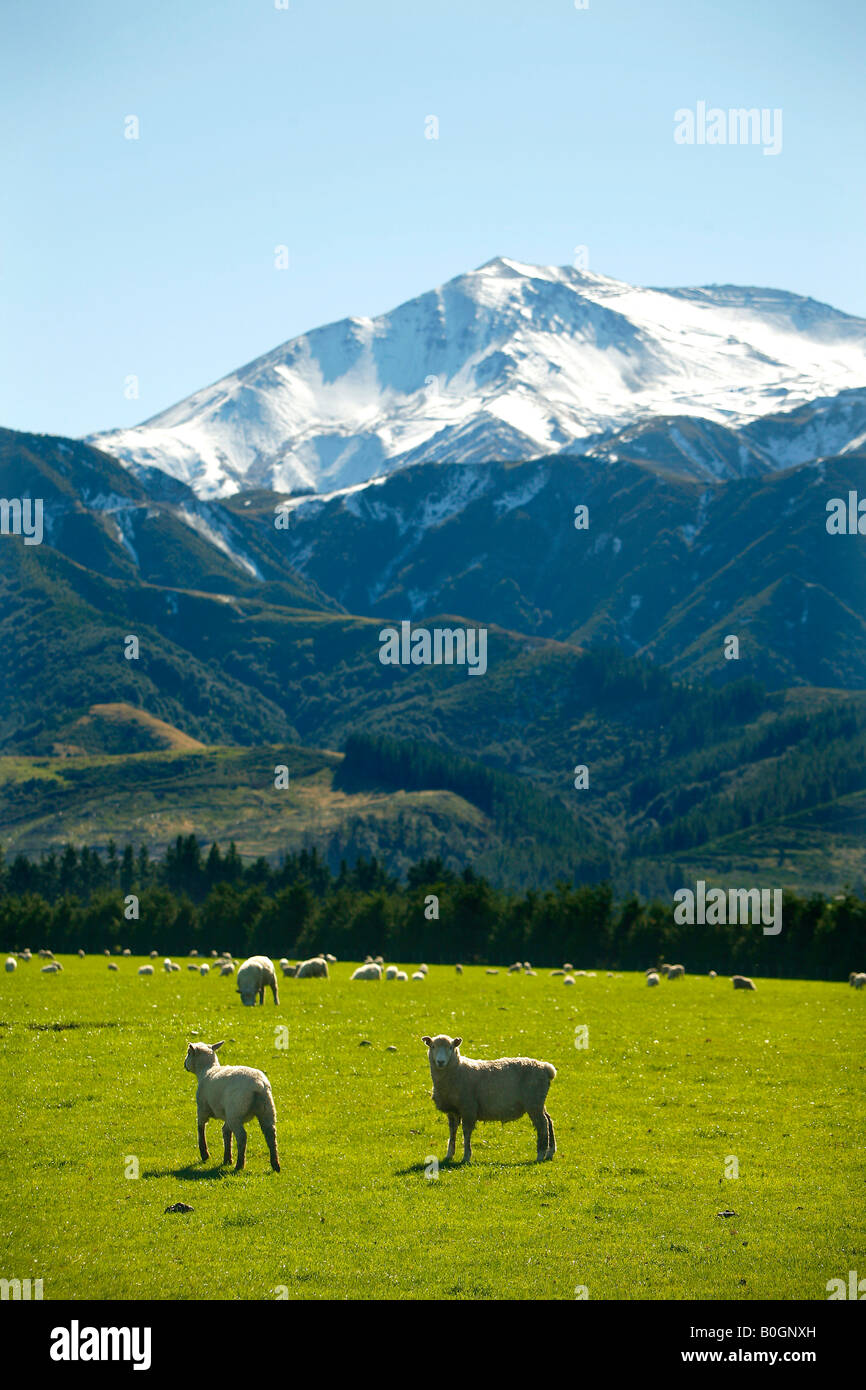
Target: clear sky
{"x": 305, "y": 127}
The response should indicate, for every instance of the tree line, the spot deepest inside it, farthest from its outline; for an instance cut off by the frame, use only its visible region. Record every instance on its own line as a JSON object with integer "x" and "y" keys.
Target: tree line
{"x": 191, "y": 900}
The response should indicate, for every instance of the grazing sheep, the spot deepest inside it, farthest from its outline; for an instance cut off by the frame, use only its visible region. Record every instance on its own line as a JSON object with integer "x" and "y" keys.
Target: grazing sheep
{"x": 52, "y": 967}
{"x": 391, "y": 972}
{"x": 253, "y": 976}
{"x": 468, "y": 1091}
{"x": 459, "y": 969}
{"x": 314, "y": 969}
{"x": 526, "y": 965}
{"x": 46, "y": 954}
{"x": 11, "y": 964}
{"x": 154, "y": 954}
{"x": 531, "y": 972}
{"x": 193, "y": 953}
{"x": 174, "y": 966}
{"x": 145, "y": 970}
{"x": 855, "y": 974}
{"x": 289, "y": 971}
{"x": 859, "y": 980}
{"x": 512, "y": 969}
{"x": 556, "y": 972}
{"x": 192, "y": 966}
{"x": 491, "y": 972}
{"x": 204, "y": 968}
{"x": 112, "y": 966}
{"x": 569, "y": 980}
{"x": 713, "y": 975}
{"x": 233, "y": 1095}
{"x": 568, "y": 967}
{"x": 580, "y": 972}
{"x": 166, "y": 965}
{"x": 227, "y": 969}
{"x": 742, "y": 982}
{"x": 379, "y": 960}
{"x": 370, "y": 971}
{"x": 284, "y": 964}
{"x": 332, "y": 960}
{"x": 27, "y": 955}
{"x": 675, "y": 972}
{"x": 662, "y": 969}
{"x": 652, "y": 979}
{"x": 106, "y": 952}
{"x": 401, "y": 975}
{"x": 80, "y": 953}
{"x": 213, "y": 953}
{"x": 126, "y": 951}
{"x": 424, "y": 968}
{"x": 419, "y": 975}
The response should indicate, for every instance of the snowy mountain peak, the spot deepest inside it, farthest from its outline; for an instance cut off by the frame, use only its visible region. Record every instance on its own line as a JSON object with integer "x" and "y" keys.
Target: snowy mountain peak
{"x": 506, "y": 361}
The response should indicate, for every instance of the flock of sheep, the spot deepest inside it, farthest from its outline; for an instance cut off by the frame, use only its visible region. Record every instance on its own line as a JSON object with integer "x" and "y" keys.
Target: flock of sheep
{"x": 464, "y": 1089}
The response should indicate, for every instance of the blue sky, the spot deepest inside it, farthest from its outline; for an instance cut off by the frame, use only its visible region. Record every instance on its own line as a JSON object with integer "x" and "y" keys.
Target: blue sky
{"x": 305, "y": 127}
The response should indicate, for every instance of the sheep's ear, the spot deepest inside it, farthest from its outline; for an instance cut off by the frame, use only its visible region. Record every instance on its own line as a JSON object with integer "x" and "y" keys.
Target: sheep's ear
{"x": 428, "y": 1042}
{"x": 455, "y": 1043}
{"x": 214, "y": 1046}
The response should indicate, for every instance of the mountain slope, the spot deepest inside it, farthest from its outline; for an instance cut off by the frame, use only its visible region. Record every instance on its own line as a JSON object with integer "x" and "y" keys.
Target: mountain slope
{"x": 507, "y": 361}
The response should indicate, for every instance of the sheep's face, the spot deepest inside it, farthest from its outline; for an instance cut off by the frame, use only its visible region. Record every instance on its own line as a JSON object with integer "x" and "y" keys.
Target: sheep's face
{"x": 441, "y": 1050}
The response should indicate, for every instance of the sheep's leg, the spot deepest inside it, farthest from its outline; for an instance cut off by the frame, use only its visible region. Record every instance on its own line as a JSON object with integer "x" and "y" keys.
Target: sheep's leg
{"x": 539, "y": 1119}
{"x": 276, "y": 996}
{"x": 227, "y": 1143}
{"x": 270, "y": 1133}
{"x": 241, "y": 1136}
{"x": 551, "y": 1138}
{"x": 202, "y": 1141}
{"x": 468, "y": 1126}
{"x": 453, "y": 1123}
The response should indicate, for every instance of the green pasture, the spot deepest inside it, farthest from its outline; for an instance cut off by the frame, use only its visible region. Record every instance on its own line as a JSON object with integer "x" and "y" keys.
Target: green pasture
{"x": 677, "y": 1087}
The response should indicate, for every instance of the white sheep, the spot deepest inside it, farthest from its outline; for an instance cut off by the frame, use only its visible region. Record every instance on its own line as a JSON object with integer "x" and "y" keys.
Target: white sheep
{"x": 652, "y": 978}
{"x": 192, "y": 966}
{"x": 233, "y": 1095}
{"x": 675, "y": 972}
{"x": 126, "y": 951}
{"x": 468, "y": 1091}
{"x": 556, "y": 972}
{"x": 855, "y": 974}
{"x": 80, "y": 953}
{"x": 316, "y": 968}
{"x": 713, "y": 975}
{"x": 112, "y": 966}
{"x": 569, "y": 980}
{"x": 175, "y": 967}
{"x": 166, "y": 965}
{"x": 204, "y": 968}
{"x": 742, "y": 982}
{"x": 459, "y": 968}
{"x": 227, "y": 969}
{"x": 332, "y": 960}
{"x": 491, "y": 972}
{"x": 401, "y": 975}
{"x": 424, "y": 968}
{"x": 859, "y": 980}
{"x": 288, "y": 970}
{"x": 284, "y": 964}
{"x": 513, "y": 969}
{"x": 145, "y": 970}
{"x": 370, "y": 971}
{"x": 418, "y": 975}
{"x": 253, "y": 976}
{"x": 154, "y": 954}
{"x": 568, "y": 967}
{"x": 52, "y": 967}
{"x": 391, "y": 972}
{"x": 11, "y": 964}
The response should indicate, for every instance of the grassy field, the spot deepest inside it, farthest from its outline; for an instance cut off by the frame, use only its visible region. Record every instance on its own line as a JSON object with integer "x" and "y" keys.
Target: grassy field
{"x": 675, "y": 1084}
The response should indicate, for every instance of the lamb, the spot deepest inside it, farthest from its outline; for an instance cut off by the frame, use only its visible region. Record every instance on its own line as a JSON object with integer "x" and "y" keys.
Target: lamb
{"x": 652, "y": 978}
{"x": 227, "y": 969}
{"x": 314, "y": 969}
{"x": 11, "y": 964}
{"x": 145, "y": 970}
{"x": 233, "y": 1095}
{"x": 367, "y": 972}
{"x": 675, "y": 972}
{"x": 253, "y": 976}
{"x": 391, "y": 972}
{"x": 742, "y": 982}
{"x": 468, "y": 1091}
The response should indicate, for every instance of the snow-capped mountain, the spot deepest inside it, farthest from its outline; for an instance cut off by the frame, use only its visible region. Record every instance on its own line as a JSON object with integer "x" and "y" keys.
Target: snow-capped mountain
{"x": 509, "y": 361}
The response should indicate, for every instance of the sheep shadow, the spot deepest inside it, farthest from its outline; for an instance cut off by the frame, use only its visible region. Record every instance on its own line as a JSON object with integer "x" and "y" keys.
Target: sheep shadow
{"x": 456, "y": 1164}
{"x": 190, "y": 1173}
